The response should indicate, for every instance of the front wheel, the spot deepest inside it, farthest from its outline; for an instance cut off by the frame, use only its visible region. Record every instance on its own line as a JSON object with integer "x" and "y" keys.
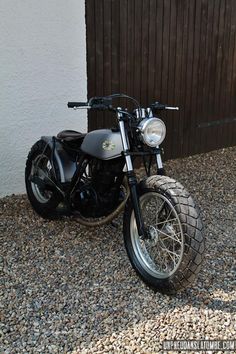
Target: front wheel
{"x": 168, "y": 258}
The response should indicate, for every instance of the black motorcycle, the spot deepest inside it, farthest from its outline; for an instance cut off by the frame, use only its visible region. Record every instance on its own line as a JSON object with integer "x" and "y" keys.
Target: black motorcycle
{"x": 92, "y": 177}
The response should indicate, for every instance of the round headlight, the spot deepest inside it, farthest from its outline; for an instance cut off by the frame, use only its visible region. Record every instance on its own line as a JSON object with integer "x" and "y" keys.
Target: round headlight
{"x": 153, "y": 131}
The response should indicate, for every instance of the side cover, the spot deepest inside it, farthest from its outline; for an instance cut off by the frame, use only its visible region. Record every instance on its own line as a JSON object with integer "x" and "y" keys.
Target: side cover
{"x": 65, "y": 163}
{"x": 103, "y": 144}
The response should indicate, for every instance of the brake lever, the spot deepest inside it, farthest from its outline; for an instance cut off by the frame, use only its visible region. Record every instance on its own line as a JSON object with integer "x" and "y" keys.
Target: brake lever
{"x": 172, "y": 108}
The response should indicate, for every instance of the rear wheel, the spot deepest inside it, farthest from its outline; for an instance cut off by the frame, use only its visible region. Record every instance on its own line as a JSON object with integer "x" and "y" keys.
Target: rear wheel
{"x": 43, "y": 199}
{"x": 169, "y": 258}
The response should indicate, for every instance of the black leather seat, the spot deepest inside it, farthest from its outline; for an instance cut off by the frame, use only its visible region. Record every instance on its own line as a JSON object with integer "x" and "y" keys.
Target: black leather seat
{"x": 70, "y": 135}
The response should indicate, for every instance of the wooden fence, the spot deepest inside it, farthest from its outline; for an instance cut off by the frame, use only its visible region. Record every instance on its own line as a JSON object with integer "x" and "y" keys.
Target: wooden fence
{"x": 180, "y": 52}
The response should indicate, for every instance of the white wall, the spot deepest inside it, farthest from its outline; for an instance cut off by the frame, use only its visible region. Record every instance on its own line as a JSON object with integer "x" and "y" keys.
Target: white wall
{"x": 42, "y": 66}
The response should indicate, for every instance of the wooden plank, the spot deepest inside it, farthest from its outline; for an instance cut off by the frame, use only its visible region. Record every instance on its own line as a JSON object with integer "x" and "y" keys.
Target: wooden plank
{"x": 200, "y": 138}
{"x": 123, "y": 45}
{"x": 232, "y": 104}
{"x": 144, "y": 52}
{"x": 188, "y": 141}
{"x": 137, "y": 48}
{"x": 152, "y": 51}
{"x": 208, "y": 62}
{"x": 130, "y": 48}
{"x": 99, "y": 47}
{"x": 177, "y": 134}
{"x": 212, "y": 86}
{"x": 225, "y": 88}
{"x": 114, "y": 52}
{"x": 185, "y": 121}
{"x": 203, "y": 58}
{"x": 115, "y": 47}
{"x": 229, "y": 71}
{"x": 165, "y": 51}
{"x": 171, "y": 116}
{"x": 158, "y": 44}
{"x": 194, "y": 116}
{"x": 164, "y": 71}
{"x": 219, "y": 60}
{"x": 99, "y": 57}
{"x": 91, "y": 57}
{"x": 107, "y": 44}
{"x": 185, "y": 78}
{"x": 105, "y": 119}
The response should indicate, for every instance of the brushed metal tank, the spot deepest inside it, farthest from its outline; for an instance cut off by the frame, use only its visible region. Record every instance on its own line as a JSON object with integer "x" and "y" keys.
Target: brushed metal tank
{"x": 104, "y": 144}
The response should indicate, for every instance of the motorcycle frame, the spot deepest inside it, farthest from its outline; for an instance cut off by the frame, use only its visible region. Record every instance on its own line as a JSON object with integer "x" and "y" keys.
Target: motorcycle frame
{"x": 65, "y": 190}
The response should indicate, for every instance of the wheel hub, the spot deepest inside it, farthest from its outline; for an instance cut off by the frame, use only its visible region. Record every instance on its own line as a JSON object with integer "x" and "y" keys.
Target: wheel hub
{"x": 153, "y": 233}
{"x": 169, "y": 229}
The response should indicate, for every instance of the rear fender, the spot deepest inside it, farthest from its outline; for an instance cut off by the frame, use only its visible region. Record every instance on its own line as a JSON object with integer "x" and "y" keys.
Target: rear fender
{"x": 66, "y": 165}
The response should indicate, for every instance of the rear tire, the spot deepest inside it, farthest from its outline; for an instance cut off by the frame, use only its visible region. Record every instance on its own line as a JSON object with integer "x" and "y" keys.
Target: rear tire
{"x": 43, "y": 202}
{"x": 170, "y": 260}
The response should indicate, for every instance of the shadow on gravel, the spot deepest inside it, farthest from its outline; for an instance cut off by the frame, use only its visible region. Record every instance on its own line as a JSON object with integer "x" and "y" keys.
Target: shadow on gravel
{"x": 66, "y": 288}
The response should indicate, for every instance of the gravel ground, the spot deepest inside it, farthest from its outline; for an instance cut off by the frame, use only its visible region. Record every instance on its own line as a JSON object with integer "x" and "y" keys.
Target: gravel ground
{"x": 68, "y": 289}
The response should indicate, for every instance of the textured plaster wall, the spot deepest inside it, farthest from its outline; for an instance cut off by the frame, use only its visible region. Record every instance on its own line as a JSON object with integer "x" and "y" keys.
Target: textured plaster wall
{"x": 42, "y": 66}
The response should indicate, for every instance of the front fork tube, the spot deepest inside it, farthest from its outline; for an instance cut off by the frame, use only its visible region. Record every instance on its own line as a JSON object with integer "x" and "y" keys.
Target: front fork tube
{"x": 160, "y": 168}
{"x": 132, "y": 181}
{"x": 134, "y": 193}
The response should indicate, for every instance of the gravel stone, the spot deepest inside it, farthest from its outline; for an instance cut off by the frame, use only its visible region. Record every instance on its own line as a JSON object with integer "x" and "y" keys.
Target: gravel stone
{"x": 68, "y": 289}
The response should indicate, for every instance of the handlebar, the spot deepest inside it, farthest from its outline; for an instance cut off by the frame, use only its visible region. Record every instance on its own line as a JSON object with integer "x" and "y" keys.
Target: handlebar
{"x": 105, "y": 103}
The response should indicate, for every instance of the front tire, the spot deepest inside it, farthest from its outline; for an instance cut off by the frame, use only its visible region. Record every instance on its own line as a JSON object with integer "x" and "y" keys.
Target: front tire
{"x": 43, "y": 201}
{"x": 170, "y": 258}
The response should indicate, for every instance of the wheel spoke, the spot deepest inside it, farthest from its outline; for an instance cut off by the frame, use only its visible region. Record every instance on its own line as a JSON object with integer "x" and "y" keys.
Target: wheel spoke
{"x": 164, "y": 222}
{"x": 169, "y": 251}
{"x": 169, "y": 236}
{"x": 167, "y": 219}
{"x": 173, "y": 259}
{"x": 159, "y": 211}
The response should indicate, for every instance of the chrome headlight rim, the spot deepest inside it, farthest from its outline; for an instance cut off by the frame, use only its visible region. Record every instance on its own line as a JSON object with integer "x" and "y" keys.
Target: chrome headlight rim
{"x": 144, "y": 125}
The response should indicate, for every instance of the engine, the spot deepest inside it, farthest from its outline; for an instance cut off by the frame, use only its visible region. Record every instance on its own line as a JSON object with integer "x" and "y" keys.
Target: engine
{"x": 100, "y": 193}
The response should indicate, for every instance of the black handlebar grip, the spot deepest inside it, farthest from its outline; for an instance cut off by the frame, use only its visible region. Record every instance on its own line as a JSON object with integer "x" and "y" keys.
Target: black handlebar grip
{"x": 99, "y": 107}
{"x": 76, "y": 104}
{"x": 158, "y": 106}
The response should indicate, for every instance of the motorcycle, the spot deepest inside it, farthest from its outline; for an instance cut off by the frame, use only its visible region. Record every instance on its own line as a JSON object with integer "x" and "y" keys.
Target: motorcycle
{"x": 92, "y": 175}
